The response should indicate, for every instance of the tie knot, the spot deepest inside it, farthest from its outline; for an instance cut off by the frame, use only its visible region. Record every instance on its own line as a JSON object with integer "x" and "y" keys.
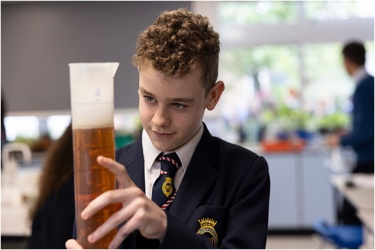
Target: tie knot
{"x": 170, "y": 162}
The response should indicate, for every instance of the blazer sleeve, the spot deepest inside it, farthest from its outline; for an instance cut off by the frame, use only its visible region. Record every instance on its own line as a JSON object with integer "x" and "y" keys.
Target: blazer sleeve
{"x": 247, "y": 222}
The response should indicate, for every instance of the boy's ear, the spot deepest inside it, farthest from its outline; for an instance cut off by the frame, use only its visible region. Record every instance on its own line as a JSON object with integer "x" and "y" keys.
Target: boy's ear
{"x": 214, "y": 95}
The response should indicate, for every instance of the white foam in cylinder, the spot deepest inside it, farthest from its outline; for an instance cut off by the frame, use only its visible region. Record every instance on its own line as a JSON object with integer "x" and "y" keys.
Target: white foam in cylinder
{"x": 91, "y": 93}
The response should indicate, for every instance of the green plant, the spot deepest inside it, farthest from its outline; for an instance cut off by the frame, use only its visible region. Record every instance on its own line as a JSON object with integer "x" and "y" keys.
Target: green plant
{"x": 290, "y": 119}
{"x": 333, "y": 122}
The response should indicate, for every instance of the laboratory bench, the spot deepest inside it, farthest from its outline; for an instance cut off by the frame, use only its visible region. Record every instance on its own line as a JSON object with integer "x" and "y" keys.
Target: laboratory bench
{"x": 301, "y": 192}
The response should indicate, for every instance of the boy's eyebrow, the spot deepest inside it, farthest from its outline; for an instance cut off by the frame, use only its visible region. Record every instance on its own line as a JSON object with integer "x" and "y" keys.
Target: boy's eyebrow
{"x": 185, "y": 99}
{"x": 145, "y": 91}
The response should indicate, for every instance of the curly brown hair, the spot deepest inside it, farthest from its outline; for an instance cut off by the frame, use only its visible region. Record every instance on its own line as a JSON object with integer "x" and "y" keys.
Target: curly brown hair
{"x": 178, "y": 42}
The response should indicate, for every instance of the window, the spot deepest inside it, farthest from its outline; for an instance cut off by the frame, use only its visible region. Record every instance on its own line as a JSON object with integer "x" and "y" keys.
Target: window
{"x": 258, "y": 78}
{"x": 325, "y": 10}
{"x": 56, "y": 125}
{"x": 22, "y": 128}
{"x": 284, "y": 56}
{"x": 309, "y": 78}
{"x": 275, "y": 12}
{"x": 253, "y": 12}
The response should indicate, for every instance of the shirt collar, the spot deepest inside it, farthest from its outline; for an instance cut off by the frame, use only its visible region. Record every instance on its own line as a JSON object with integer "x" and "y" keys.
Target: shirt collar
{"x": 185, "y": 152}
{"x": 360, "y": 74}
{"x": 149, "y": 151}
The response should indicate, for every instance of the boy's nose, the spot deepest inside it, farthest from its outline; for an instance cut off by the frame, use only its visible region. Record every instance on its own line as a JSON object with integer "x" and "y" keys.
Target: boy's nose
{"x": 161, "y": 117}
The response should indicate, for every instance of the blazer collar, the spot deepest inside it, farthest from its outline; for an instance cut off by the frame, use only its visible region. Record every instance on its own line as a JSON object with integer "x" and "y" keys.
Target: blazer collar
{"x": 134, "y": 163}
{"x": 199, "y": 177}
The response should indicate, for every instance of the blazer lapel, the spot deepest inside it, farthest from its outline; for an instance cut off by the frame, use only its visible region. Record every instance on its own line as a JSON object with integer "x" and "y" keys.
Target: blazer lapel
{"x": 134, "y": 163}
{"x": 197, "y": 180}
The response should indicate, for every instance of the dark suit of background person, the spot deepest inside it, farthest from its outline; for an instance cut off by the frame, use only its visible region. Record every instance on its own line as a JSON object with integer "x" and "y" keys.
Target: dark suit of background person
{"x": 361, "y": 135}
{"x": 3, "y": 131}
{"x": 224, "y": 183}
{"x": 53, "y": 214}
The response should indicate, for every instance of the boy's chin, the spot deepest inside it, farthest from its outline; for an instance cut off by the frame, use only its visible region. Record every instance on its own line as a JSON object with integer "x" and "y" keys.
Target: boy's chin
{"x": 164, "y": 146}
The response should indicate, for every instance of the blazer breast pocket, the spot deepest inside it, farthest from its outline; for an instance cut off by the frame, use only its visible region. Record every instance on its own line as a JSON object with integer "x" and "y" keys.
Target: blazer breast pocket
{"x": 209, "y": 221}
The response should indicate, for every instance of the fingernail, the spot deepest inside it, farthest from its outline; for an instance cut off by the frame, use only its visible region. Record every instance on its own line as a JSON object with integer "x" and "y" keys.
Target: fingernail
{"x": 91, "y": 238}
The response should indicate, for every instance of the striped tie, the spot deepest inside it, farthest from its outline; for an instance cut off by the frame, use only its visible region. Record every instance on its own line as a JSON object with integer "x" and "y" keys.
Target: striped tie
{"x": 164, "y": 191}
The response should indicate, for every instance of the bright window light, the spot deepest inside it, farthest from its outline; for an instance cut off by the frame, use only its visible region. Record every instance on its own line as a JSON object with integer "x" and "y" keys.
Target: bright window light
{"x": 56, "y": 125}
{"x": 21, "y": 127}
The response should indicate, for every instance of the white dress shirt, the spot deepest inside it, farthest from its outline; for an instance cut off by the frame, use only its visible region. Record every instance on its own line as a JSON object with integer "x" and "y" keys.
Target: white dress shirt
{"x": 359, "y": 75}
{"x": 152, "y": 167}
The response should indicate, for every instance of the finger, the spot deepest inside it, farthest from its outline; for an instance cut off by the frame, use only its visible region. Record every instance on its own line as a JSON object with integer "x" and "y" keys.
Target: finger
{"x": 123, "y": 196}
{"x": 149, "y": 220}
{"x": 72, "y": 244}
{"x": 132, "y": 222}
{"x": 120, "y": 216}
{"x": 130, "y": 226}
{"x": 113, "y": 221}
{"x": 119, "y": 170}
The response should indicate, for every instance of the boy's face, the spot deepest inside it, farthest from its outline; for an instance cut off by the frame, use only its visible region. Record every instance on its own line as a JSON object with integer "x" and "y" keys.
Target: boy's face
{"x": 171, "y": 109}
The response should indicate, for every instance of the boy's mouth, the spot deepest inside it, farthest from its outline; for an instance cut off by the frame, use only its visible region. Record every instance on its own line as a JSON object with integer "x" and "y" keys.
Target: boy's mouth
{"x": 162, "y": 135}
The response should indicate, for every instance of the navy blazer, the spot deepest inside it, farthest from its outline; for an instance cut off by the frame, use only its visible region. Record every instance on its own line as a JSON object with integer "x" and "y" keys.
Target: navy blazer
{"x": 361, "y": 136}
{"x": 223, "y": 200}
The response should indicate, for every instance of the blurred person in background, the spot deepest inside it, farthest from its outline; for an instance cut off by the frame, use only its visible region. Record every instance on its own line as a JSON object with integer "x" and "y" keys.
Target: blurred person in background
{"x": 3, "y": 131}
{"x": 361, "y": 135}
{"x": 53, "y": 212}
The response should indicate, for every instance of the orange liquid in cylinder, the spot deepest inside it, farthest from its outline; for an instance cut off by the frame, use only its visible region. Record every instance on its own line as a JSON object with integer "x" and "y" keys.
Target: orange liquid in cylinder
{"x": 91, "y": 180}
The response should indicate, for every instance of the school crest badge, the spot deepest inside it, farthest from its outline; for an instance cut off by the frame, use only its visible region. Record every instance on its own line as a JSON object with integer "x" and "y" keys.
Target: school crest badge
{"x": 167, "y": 186}
{"x": 208, "y": 229}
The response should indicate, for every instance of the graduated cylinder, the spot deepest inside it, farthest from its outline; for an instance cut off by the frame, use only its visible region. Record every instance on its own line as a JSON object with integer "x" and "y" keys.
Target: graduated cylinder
{"x": 91, "y": 86}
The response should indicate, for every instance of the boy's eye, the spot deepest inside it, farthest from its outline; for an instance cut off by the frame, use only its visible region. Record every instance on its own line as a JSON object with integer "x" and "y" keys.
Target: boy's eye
{"x": 179, "y": 105}
{"x": 149, "y": 99}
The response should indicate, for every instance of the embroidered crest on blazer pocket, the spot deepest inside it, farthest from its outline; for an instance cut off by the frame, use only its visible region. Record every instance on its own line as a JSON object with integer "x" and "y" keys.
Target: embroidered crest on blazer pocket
{"x": 209, "y": 221}
{"x": 208, "y": 229}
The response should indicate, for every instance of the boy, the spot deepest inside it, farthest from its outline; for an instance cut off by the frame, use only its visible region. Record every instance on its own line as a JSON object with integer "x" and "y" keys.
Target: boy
{"x": 220, "y": 190}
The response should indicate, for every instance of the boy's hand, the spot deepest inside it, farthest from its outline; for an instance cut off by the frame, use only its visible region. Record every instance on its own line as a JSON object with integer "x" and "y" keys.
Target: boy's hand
{"x": 137, "y": 213}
